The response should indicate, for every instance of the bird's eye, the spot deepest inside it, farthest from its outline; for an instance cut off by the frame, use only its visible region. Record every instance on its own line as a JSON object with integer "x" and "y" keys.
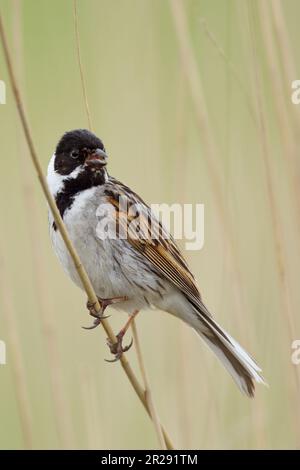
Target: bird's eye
{"x": 74, "y": 154}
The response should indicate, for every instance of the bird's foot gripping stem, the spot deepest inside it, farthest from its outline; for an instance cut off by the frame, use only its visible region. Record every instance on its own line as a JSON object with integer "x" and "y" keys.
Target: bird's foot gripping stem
{"x": 117, "y": 348}
{"x": 99, "y": 316}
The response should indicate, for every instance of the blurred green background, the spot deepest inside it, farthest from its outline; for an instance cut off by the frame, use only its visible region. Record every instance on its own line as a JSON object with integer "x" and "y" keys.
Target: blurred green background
{"x": 192, "y": 100}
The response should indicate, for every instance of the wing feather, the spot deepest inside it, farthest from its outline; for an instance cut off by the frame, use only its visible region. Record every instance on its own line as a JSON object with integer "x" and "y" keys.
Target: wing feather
{"x": 161, "y": 250}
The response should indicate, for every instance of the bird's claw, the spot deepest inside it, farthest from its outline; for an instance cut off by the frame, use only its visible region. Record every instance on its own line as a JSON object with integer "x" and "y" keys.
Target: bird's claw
{"x": 96, "y": 322}
{"x": 99, "y": 315}
{"x": 117, "y": 348}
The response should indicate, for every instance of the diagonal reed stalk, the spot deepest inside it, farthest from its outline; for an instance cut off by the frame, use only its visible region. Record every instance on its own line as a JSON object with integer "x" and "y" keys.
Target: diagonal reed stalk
{"x": 86, "y": 283}
{"x": 148, "y": 392}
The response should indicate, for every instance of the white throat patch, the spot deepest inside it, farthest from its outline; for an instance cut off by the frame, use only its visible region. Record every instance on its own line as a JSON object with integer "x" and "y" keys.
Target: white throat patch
{"x": 55, "y": 180}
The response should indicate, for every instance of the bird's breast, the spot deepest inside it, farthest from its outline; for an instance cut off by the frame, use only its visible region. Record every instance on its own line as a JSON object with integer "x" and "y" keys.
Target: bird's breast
{"x": 113, "y": 266}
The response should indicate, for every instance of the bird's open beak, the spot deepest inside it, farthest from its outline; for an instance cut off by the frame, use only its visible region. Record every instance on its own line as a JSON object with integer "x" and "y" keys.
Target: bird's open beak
{"x": 97, "y": 159}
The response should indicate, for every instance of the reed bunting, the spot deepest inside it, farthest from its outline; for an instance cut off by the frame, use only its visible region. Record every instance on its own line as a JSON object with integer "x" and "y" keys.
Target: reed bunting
{"x": 142, "y": 269}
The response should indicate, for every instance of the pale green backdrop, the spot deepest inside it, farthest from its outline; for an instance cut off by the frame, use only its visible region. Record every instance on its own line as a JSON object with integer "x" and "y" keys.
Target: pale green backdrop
{"x": 192, "y": 100}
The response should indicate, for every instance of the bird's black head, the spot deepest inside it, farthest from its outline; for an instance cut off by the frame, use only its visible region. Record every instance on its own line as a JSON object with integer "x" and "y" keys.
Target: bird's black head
{"x": 78, "y": 148}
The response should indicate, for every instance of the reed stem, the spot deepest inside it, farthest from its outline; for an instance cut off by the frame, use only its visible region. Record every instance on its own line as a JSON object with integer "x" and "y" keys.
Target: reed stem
{"x": 83, "y": 84}
{"x": 86, "y": 283}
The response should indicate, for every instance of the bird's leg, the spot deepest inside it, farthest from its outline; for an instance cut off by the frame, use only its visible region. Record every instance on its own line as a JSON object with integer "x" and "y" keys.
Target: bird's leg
{"x": 117, "y": 348}
{"x": 98, "y": 316}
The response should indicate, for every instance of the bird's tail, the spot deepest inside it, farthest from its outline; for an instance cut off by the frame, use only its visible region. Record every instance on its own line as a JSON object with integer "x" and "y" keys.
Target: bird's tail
{"x": 243, "y": 369}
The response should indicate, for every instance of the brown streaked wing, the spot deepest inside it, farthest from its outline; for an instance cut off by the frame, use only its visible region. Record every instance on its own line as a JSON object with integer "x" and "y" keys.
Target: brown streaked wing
{"x": 161, "y": 252}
